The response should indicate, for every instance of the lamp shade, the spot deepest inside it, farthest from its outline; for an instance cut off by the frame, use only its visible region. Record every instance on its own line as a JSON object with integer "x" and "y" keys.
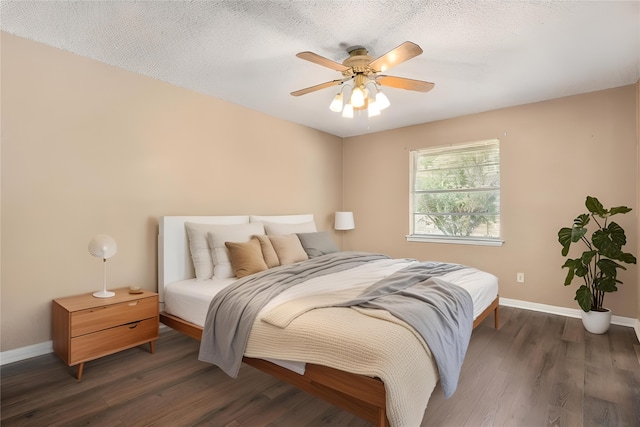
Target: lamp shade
{"x": 357, "y": 97}
{"x": 344, "y": 221}
{"x": 382, "y": 100}
{"x": 102, "y": 246}
{"x": 348, "y": 111}
{"x": 336, "y": 104}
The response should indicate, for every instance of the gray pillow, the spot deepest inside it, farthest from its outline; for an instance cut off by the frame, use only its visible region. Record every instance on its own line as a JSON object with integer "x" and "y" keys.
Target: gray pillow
{"x": 316, "y": 244}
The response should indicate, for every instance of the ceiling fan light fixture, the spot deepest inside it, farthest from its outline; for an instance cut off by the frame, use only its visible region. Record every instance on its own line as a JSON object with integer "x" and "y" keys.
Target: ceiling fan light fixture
{"x": 382, "y": 101}
{"x": 357, "y": 97}
{"x": 347, "y": 112}
{"x": 372, "y": 106}
{"x": 360, "y": 70}
{"x": 373, "y": 109}
{"x": 336, "y": 104}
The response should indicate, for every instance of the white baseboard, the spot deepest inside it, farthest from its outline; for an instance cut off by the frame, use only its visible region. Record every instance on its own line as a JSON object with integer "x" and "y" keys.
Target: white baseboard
{"x": 27, "y": 352}
{"x": 567, "y": 312}
{"x": 34, "y": 350}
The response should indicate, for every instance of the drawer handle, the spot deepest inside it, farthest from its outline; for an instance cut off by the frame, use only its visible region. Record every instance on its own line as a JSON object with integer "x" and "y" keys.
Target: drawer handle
{"x": 133, "y": 304}
{"x": 133, "y": 325}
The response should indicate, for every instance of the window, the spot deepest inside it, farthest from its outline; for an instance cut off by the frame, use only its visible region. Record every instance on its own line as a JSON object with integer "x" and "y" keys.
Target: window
{"x": 455, "y": 194}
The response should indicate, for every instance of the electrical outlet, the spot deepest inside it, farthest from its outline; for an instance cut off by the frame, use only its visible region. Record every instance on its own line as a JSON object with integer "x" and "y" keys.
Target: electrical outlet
{"x": 520, "y": 277}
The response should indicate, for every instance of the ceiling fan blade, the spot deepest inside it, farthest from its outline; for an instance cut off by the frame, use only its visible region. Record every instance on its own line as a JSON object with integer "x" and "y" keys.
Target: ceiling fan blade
{"x": 403, "y": 83}
{"x": 318, "y": 87}
{"x": 321, "y": 60}
{"x": 404, "y": 52}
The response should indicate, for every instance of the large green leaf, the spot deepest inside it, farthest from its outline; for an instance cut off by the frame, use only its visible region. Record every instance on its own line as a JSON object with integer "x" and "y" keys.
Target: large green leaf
{"x": 627, "y": 257}
{"x": 609, "y": 240}
{"x": 595, "y": 207}
{"x": 587, "y": 256}
{"x": 584, "y": 298}
{"x": 617, "y": 234}
{"x": 581, "y": 269}
{"x": 607, "y": 284}
{"x": 567, "y": 235}
{"x": 581, "y": 221}
{"x": 609, "y": 267}
{"x": 572, "y": 265}
{"x": 619, "y": 209}
{"x": 564, "y": 237}
{"x": 569, "y": 278}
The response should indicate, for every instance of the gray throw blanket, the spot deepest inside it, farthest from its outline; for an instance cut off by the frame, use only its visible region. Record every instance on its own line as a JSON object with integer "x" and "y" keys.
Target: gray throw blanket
{"x": 234, "y": 309}
{"x": 441, "y": 312}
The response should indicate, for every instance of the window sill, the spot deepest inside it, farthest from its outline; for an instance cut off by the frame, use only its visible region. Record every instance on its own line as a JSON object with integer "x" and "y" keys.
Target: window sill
{"x": 455, "y": 240}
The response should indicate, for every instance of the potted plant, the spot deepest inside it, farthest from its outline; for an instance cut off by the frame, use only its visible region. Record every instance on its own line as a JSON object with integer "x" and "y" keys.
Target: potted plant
{"x": 599, "y": 263}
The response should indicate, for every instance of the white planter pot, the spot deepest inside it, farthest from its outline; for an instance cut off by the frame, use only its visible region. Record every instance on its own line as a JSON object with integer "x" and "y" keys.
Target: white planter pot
{"x": 596, "y": 322}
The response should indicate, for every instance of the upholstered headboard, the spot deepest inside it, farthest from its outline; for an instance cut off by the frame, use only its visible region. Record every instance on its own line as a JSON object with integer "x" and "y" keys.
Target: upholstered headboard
{"x": 174, "y": 257}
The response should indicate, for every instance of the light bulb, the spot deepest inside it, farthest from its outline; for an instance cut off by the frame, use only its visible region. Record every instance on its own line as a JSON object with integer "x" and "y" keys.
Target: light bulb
{"x": 373, "y": 109}
{"x": 336, "y": 104}
{"x": 357, "y": 97}
{"x": 348, "y": 111}
{"x": 382, "y": 100}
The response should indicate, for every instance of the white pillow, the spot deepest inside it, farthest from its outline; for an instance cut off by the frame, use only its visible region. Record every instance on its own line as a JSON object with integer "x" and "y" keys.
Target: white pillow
{"x": 199, "y": 246}
{"x": 238, "y": 233}
{"x": 278, "y": 229}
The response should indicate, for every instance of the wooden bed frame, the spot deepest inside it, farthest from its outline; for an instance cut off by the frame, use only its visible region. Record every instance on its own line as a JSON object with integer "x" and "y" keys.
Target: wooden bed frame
{"x": 361, "y": 395}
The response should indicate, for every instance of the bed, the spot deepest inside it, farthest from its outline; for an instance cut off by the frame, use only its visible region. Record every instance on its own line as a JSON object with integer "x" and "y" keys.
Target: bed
{"x": 185, "y": 298}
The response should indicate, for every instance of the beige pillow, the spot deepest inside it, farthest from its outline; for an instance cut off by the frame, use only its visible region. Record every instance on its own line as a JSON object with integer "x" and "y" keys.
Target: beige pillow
{"x": 268, "y": 253}
{"x": 246, "y": 258}
{"x": 288, "y": 248}
{"x": 231, "y": 233}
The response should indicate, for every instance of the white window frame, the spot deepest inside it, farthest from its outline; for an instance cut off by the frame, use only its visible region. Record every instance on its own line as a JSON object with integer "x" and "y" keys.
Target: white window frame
{"x": 433, "y": 238}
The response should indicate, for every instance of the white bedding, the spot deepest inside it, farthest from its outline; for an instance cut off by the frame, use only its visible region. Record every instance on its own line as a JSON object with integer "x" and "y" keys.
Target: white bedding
{"x": 189, "y": 299}
{"x": 389, "y": 350}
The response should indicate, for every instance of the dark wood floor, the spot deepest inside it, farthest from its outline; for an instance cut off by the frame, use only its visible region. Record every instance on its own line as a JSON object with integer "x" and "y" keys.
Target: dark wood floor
{"x": 536, "y": 370}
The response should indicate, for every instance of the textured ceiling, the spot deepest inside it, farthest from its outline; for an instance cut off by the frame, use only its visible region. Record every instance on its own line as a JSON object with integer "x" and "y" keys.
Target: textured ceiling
{"x": 481, "y": 55}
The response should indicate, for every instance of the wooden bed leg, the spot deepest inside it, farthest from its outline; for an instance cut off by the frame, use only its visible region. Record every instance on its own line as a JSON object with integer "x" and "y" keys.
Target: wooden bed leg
{"x": 382, "y": 418}
{"x": 80, "y": 369}
{"x": 495, "y": 318}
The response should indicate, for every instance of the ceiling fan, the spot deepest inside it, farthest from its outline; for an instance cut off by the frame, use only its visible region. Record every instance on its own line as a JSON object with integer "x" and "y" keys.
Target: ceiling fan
{"x": 365, "y": 71}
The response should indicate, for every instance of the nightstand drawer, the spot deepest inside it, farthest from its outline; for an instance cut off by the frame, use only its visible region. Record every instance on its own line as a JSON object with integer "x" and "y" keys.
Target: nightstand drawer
{"x": 107, "y": 316}
{"x": 98, "y": 344}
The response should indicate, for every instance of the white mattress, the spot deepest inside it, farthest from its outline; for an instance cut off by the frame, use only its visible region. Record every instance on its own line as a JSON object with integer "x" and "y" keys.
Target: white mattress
{"x": 189, "y": 299}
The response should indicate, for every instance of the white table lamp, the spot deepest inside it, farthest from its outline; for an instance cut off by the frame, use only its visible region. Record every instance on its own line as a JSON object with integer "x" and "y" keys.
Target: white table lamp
{"x": 103, "y": 246}
{"x": 344, "y": 221}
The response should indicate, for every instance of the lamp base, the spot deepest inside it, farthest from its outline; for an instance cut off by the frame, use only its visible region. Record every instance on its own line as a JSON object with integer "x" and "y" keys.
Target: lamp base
{"x": 104, "y": 294}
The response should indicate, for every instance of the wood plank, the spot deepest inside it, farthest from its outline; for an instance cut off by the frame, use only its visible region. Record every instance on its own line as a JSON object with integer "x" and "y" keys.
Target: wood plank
{"x": 134, "y": 388}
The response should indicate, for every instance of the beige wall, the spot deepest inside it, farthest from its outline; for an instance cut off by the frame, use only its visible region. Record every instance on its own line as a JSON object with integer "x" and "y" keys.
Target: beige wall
{"x": 638, "y": 195}
{"x": 553, "y": 154}
{"x": 88, "y": 148}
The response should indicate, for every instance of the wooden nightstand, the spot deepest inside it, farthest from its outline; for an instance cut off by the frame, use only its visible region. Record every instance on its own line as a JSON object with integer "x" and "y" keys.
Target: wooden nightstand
{"x": 86, "y": 328}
